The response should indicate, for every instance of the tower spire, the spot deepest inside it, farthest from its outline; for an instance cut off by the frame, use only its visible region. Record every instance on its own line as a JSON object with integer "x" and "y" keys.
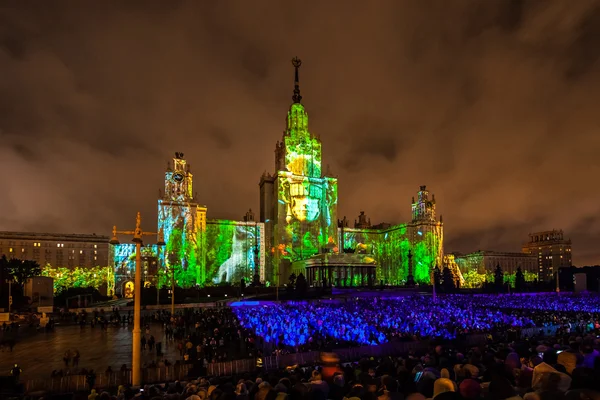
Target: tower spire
{"x": 296, "y": 62}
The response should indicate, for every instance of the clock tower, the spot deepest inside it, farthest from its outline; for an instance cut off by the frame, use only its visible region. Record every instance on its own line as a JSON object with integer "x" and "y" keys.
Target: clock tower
{"x": 178, "y": 180}
{"x": 183, "y": 222}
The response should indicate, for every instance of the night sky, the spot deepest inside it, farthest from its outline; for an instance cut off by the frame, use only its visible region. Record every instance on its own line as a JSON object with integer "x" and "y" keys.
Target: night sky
{"x": 491, "y": 104}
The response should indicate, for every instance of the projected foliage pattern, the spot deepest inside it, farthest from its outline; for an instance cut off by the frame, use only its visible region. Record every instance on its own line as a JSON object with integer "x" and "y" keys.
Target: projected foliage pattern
{"x": 303, "y": 150}
{"x": 390, "y": 249}
{"x": 182, "y": 252}
{"x": 307, "y": 208}
{"x": 123, "y": 256}
{"x": 233, "y": 250}
{"x": 307, "y": 202}
{"x": 95, "y": 277}
{"x": 474, "y": 279}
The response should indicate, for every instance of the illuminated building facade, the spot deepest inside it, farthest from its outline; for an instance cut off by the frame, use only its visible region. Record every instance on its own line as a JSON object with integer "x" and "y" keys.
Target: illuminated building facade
{"x": 389, "y": 245}
{"x": 298, "y": 223}
{"x": 72, "y": 260}
{"x": 484, "y": 261}
{"x": 123, "y": 258}
{"x": 298, "y": 205}
{"x": 298, "y": 202}
{"x": 198, "y": 251}
{"x": 478, "y": 267}
{"x": 183, "y": 222}
{"x": 551, "y": 250}
{"x": 56, "y": 249}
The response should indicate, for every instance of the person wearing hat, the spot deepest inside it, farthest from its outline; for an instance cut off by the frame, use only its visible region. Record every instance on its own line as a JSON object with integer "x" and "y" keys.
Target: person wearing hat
{"x": 470, "y": 389}
{"x": 568, "y": 360}
{"x": 442, "y": 385}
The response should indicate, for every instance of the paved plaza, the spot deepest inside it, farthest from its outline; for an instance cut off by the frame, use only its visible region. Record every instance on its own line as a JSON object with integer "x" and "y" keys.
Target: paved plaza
{"x": 40, "y": 354}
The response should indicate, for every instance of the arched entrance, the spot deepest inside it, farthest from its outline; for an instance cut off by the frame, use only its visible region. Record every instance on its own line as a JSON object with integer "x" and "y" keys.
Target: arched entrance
{"x": 128, "y": 289}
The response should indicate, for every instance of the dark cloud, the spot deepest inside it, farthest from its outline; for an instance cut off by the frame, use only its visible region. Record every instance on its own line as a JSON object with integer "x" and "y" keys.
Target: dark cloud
{"x": 584, "y": 51}
{"x": 491, "y": 104}
{"x": 221, "y": 138}
{"x": 366, "y": 137}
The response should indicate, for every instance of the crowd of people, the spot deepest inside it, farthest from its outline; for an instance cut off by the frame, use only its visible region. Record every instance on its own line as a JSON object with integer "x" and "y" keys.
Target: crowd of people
{"x": 374, "y": 321}
{"x": 562, "y": 367}
{"x": 212, "y": 335}
{"x": 207, "y": 335}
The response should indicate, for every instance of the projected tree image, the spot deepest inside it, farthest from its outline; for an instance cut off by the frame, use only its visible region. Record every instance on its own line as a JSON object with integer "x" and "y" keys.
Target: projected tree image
{"x": 390, "y": 247}
{"x": 231, "y": 250}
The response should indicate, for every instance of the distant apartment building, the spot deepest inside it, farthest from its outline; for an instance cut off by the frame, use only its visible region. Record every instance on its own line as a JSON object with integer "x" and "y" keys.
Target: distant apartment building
{"x": 552, "y": 251}
{"x": 485, "y": 261}
{"x": 56, "y": 249}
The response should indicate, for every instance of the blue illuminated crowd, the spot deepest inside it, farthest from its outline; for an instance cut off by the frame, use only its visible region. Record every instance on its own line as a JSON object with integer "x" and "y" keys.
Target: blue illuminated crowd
{"x": 509, "y": 366}
{"x": 374, "y": 321}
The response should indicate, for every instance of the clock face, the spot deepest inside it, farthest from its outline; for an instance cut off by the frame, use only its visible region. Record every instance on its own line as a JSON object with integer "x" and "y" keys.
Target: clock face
{"x": 178, "y": 177}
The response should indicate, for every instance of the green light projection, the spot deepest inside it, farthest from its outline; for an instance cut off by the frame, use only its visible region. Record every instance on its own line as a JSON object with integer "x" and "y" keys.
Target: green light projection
{"x": 474, "y": 279}
{"x": 95, "y": 277}
{"x": 307, "y": 210}
{"x": 303, "y": 150}
{"x": 390, "y": 247}
{"x": 475, "y": 275}
{"x": 225, "y": 251}
{"x": 306, "y": 201}
{"x": 233, "y": 250}
{"x": 181, "y": 255}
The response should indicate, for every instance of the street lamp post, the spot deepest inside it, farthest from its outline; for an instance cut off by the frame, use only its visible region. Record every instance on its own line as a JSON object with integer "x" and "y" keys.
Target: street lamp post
{"x": 277, "y": 287}
{"x": 173, "y": 259}
{"x": 10, "y": 282}
{"x": 172, "y": 291}
{"x": 157, "y": 291}
{"x": 136, "y": 378}
{"x": 433, "y": 284}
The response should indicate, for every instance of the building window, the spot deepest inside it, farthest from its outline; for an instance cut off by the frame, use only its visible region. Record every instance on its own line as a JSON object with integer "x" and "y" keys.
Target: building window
{"x": 95, "y": 246}
{"x": 95, "y": 251}
{"x": 80, "y": 251}
{"x": 10, "y": 250}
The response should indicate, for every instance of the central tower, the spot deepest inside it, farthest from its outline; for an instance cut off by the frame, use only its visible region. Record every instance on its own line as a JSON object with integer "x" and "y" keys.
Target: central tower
{"x": 298, "y": 203}
{"x": 183, "y": 222}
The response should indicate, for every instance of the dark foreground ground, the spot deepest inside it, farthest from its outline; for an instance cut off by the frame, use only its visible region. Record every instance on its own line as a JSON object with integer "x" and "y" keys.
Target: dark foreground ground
{"x": 39, "y": 354}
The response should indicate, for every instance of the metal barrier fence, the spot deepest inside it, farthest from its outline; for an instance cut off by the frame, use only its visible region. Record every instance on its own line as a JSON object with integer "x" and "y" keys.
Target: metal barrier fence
{"x": 547, "y": 330}
{"x": 180, "y": 371}
{"x": 71, "y": 383}
{"x": 231, "y": 367}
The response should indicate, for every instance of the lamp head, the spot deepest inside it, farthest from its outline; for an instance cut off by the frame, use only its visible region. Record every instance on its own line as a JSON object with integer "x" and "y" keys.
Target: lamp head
{"x": 137, "y": 234}
{"x": 114, "y": 240}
